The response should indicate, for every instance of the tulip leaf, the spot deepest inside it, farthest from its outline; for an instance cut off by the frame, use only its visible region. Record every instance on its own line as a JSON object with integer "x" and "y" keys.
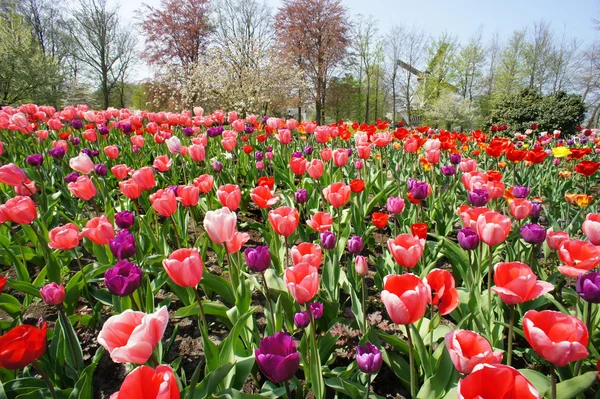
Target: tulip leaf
{"x": 209, "y": 384}
{"x": 574, "y": 386}
{"x": 10, "y": 305}
{"x": 23, "y": 385}
{"x": 421, "y": 351}
{"x": 25, "y": 287}
{"x": 446, "y": 376}
{"x": 537, "y": 379}
{"x": 219, "y": 285}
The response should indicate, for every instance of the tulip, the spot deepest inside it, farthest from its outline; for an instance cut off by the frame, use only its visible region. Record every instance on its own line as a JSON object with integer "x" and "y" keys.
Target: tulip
{"x": 478, "y": 197}
{"x": 123, "y": 279}
{"x": 184, "y": 266}
{"x": 355, "y": 245}
{"x": 591, "y": 228}
{"x": 361, "y": 266}
{"x": 467, "y": 239}
{"x": 320, "y": 222}
{"x": 64, "y": 237}
{"x": 578, "y": 257}
{"x": 230, "y": 196}
{"x": 405, "y": 297}
{"x": 340, "y": 157}
{"x": 164, "y": 202}
{"x": 258, "y": 259}
{"x": 520, "y": 208}
{"x": 3, "y": 281}
{"x": 131, "y": 337}
{"x": 448, "y": 170}
{"x": 443, "y": 289}
{"x": 555, "y": 238}
{"x": 588, "y": 287}
{"x": 99, "y": 230}
{"x": 124, "y": 219}
{"x": 82, "y": 164}
{"x": 302, "y": 319}
{"x": 144, "y": 177}
{"x": 328, "y": 240}
{"x": 533, "y": 233}
{"x": 307, "y": 252}
{"x": 379, "y": 219}
{"x": 395, "y": 205}
{"x": 120, "y": 171}
{"x": 83, "y": 188}
{"x": 284, "y": 220}
{"x": 147, "y": 383}
{"x": 277, "y": 357}
{"x": 557, "y": 337}
{"x": 315, "y": 168}
{"x": 204, "y": 183}
{"x": 34, "y": 159}
{"x": 536, "y": 209}
{"x": 301, "y": 196}
{"x": 263, "y": 197}
{"x": 111, "y": 151}
{"x": 220, "y": 225}
{"x": 337, "y": 194}
{"x": 520, "y": 191}
{"x": 406, "y": 250}
{"x": 217, "y": 167}
{"x": 493, "y": 228}
{"x": 419, "y": 230}
{"x": 53, "y": 294}
{"x": 421, "y": 190}
{"x": 237, "y": 241}
{"x": 467, "y": 349}
{"x": 316, "y": 309}
{"x": 516, "y": 283}
{"x": 302, "y": 280}
{"x": 19, "y": 210}
{"x": 101, "y": 169}
{"x": 123, "y": 245}
{"x": 298, "y": 165}
{"x": 22, "y": 345}
{"x": 496, "y": 381}
{"x": 368, "y": 358}
{"x": 455, "y": 159}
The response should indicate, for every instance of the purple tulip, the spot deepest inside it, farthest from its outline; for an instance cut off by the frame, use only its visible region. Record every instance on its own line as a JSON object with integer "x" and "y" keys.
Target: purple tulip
{"x": 103, "y": 130}
{"x": 101, "y": 169}
{"x": 520, "y": 191}
{"x": 328, "y": 240}
{"x": 468, "y": 239}
{"x": 533, "y": 233}
{"x": 188, "y": 131}
{"x": 277, "y": 357}
{"x": 88, "y": 152}
{"x": 57, "y": 152}
{"x": 258, "y": 259}
{"x": 123, "y": 245}
{"x": 217, "y": 166}
{"x": 124, "y": 219}
{"x": 410, "y": 183}
{"x": 588, "y": 287}
{"x": 355, "y": 245}
{"x": 308, "y": 150}
{"x": 420, "y": 190}
{"x": 34, "y": 159}
{"x": 448, "y": 170}
{"x": 249, "y": 129}
{"x": 259, "y": 155}
{"x": 302, "y": 319}
{"x": 455, "y": 159}
{"x": 75, "y": 140}
{"x": 123, "y": 279}
{"x": 478, "y": 197}
{"x": 297, "y": 154}
{"x": 301, "y": 196}
{"x": 71, "y": 177}
{"x": 536, "y": 209}
{"x": 76, "y": 124}
{"x": 316, "y": 308}
{"x": 368, "y": 358}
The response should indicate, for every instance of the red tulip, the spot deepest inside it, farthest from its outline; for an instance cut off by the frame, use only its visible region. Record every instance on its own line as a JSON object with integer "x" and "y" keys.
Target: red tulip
{"x": 21, "y": 346}
{"x": 121, "y": 171}
{"x": 307, "y": 252}
{"x": 111, "y": 151}
{"x": 467, "y": 349}
{"x": 298, "y": 166}
{"x": 230, "y": 196}
{"x": 99, "y": 230}
{"x": 496, "y": 381}
{"x": 20, "y": 210}
{"x": 320, "y": 222}
{"x": 357, "y": 186}
{"x": 379, "y": 219}
{"x": 557, "y": 337}
{"x": 302, "y": 280}
{"x": 587, "y": 168}
{"x": 406, "y": 249}
{"x": 284, "y": 220}
{"x": 188, "y": 195}
{"x": 443, "y": 290}
{"x": 578, "y": 257}
{"x": 147, "y": 383}
{"x": 405, "y": 297}
{"x": 185, "y": 267}
{"x": 516, "y": 283}
{"x": 162, "y": 163}
{"x": 419, "y": 230}
{"x": 493, "y": 228}
{"x": 337, "y": 194}
{"x": 164, "y": 202}
{"x": 83, "y": 188}
{"x": 263, "y": 197}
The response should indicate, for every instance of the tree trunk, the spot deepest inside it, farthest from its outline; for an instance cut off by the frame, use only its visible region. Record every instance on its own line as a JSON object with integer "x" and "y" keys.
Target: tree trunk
{"x": 368, "y": 98}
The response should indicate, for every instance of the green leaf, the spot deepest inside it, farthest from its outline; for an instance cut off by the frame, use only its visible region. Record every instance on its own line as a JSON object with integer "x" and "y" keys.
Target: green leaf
{"x": 576, "y": 385}
{"x": 444, "y": 378}
{"x": 25, "y": 287}
{"x": 209, "y": 384}
{"x": 10, "y": 305}
{"x": 537, "y": 379}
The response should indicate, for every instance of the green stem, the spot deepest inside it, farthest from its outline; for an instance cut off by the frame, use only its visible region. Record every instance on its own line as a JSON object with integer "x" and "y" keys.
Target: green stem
{"x": 364, "y": 304}
{"x": 288, "y": 391}
{"x": 510, "y": 334}
{"x": 64, "y": 319}
{"x": 368, "y": 387}
{"x": 44, "y": 376}
{"x": 268, "y": 298}
{"x": 489, "y": 284}
{"x": 176, "y": 232}
{"x": 203, "y": 326}
{"x": 411, "y": 362}
{"x": 553, "y": 377}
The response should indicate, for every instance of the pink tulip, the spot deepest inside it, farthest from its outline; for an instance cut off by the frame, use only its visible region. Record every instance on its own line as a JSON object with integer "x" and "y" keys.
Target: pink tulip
{"x": 520, "y": 208}
{"x": 220, "y": 225}
{"x": 315, "y": 168}
{"x": 230, "y": 196}
{"x": 82, "y": 164}
{"x": 493, "y": 228}
{"x": 64, "y": 237}
{"x": 591, "y": 228}
{"x": 185, "y": 267}
{"x": 83, "y": 188}
{"x": 302, "y": 280}
{"x": 406, "y": 249}
{"x": 237, "y": 242}
{"x": 99, "y": 230}
{"x": 131, "y": 337}
{"x": 12, "y": 175}
{"x": 467, "y": 349}
{"x": 555, "y": 238}
{"x": 307, "y": 252}
{"x": 340, "y": 157}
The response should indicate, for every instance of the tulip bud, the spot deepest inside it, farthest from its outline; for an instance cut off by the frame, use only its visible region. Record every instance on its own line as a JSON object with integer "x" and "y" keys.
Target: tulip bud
{"x": 101, "y": 169}
{"x": 455, "y": 159}
{"x": 533, "y": 233}
{"x": 361, "y": 266}
{"x": 71, "y": 177}
{"x": 520, "y": 191}
{"x": 316, "y": 308}
{"x": 468, "y": 239}
{"x": 588, "y": 287}
{"x": 260, "y": 165}
{"x": 35, "y": 159}
{"x": 301, "y": 196}
{"x": 448, "y": 170}
{"x": 217, "y": 166}
{"x": 358, "y": 164}
{"x": 536, "y": 209}
{"x": 328, "y": 240}
{"x": 258, "y": 259}
{"x": 57, "y": 152}
{"x": 124, "y": 219}
{"x": 123, "y": 279}
{"x": 355, "y": 245}
{"x": 277, "y": 357}
{"x": 478, "y": 197}
{"x": 53, "y": 294}
{"x": 302, "y": 319}
{"x": 395, "y": 205}
{"x": 368, "y": 358}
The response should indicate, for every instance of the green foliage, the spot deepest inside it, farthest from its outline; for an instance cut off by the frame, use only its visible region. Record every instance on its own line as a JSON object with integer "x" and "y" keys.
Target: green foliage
{"x": 560, "y": 111}
{"x": 450, "y": 111}
{"x": 26, "y": 73}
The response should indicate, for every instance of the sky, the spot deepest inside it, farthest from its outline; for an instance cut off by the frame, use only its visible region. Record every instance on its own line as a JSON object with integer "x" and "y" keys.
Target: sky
{"x": 460, "y": 18}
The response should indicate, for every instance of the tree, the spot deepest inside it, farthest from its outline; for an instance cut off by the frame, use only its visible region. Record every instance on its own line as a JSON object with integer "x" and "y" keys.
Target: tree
{"x": 102, "y": 44}
{"x": 510, "y": 68}
{"x": 535, "y": 56}
{"x": 393, "y": 49}
{"x": 451, "y": 111}
{"x": 468, "y": 65}
{"x": 364, "y": 45}
{"x": 439, "y": 72}
{"x": 26, "y": 73}
{"x": 316, "y": 34}
{"x": 412, "y": 53}
{"x": 176, "y": 33}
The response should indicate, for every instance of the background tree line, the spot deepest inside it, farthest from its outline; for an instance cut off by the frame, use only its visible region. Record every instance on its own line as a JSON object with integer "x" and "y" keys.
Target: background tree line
{"x": 308, "y": 57}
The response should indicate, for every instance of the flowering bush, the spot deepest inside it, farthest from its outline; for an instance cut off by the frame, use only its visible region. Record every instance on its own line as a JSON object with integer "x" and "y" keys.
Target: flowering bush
{"x": 448, "y": 265}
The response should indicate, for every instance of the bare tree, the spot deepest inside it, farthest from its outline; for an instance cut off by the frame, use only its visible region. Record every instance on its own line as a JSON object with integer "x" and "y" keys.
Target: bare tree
{"x": 493, "y": 54}
{"x": 364, "y": 44}
{"x": 394, "y": 41}
{"x": 412, "y": 54}
{"x": 468, "y": 65}
{"x": 535, "y": 55}
{"x": 510, "y": 66}
{"x": 563, "y": 62}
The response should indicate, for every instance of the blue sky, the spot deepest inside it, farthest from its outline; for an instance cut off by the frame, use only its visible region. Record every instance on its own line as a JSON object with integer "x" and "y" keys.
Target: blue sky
{"x": 460, "y": 18}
